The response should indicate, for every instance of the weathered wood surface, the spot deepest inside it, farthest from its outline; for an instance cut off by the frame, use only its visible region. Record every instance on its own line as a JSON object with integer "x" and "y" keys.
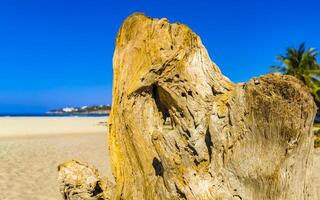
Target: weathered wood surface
{"x": 179, "y": 129}
{"x": 80, "y": 181}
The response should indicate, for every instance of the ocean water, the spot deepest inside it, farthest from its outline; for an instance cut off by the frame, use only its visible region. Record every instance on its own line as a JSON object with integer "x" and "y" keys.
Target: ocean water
{"x": 49, "y": 115}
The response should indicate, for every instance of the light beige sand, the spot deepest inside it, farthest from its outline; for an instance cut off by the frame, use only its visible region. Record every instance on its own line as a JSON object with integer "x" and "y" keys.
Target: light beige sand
{"x": 316, "y": 170}
{"x": 30, "y": 126}
{"x": 31, "y": 148}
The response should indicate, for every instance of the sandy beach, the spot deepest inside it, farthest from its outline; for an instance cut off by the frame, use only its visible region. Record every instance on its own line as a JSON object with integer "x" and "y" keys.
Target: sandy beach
{"x": 32, "y": 147}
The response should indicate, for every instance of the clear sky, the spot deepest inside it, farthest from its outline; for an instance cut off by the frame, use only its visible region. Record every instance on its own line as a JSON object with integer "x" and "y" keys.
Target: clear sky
{"x": 56, "y": 53}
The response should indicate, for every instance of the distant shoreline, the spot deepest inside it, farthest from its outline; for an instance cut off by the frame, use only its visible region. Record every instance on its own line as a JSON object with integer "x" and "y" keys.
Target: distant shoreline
{"x": 94, "y": 109}
{"x": 53, "y": 115}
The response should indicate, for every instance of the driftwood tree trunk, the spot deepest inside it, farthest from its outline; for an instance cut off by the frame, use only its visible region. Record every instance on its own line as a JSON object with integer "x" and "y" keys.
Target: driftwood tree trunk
{"x": 179, "y": 129}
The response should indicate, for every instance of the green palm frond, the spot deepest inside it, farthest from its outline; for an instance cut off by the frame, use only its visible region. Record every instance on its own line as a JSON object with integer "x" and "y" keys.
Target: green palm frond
{"x": 273, "y": 69}
{"x": 301, "y": 63}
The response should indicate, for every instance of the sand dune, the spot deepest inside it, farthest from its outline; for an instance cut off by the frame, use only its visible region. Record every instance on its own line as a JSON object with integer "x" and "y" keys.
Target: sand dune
{"x": 31, "y": 149}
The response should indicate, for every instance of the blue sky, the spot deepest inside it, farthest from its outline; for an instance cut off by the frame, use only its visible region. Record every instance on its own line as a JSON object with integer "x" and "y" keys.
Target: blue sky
{"x": 58, "y": 53}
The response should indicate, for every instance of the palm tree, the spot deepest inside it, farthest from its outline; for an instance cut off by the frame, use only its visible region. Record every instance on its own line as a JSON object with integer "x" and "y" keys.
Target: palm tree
{"x": 302, "y": 63}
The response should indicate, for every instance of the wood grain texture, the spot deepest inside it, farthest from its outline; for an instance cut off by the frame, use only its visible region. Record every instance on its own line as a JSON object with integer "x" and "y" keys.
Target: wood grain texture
{"x": 179, "y": 129}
